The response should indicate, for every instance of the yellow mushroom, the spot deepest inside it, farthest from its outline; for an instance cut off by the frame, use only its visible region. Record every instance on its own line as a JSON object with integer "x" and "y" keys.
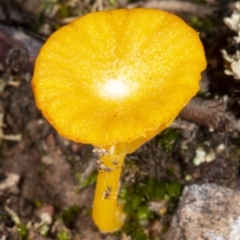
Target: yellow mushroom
{"x": 115, "y": 79}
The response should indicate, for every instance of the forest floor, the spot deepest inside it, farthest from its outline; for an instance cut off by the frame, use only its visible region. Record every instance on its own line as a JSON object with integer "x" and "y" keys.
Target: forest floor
{"x": 47, "y": 182}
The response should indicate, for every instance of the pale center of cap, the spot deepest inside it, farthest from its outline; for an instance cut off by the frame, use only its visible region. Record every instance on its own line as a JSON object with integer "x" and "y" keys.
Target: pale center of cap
{"x": 117, "y": 88}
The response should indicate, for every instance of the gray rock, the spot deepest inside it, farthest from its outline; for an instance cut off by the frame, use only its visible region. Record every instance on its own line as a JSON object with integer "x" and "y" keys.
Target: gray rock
{"x": 207, "y": 212}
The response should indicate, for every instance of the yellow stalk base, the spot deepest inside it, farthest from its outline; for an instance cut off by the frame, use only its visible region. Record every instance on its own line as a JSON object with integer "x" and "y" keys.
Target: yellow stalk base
{"x": 107, "y": 213}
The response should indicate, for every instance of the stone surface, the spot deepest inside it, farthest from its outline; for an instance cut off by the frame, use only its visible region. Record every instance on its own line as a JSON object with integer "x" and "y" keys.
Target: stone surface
{"x": 207, "y": 212}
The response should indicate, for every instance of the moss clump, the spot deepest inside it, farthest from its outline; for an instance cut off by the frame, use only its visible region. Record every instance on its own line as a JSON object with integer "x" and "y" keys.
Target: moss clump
{"x": 136, "y": 198}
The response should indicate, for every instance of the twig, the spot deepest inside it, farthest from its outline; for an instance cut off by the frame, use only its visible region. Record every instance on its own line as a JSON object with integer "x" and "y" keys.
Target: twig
{"x": 209, "y": 113}
{"x": 178, "y": 6}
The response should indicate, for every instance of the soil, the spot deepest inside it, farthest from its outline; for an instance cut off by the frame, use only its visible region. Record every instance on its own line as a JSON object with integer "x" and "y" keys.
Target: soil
{"x": 47, "y": 182}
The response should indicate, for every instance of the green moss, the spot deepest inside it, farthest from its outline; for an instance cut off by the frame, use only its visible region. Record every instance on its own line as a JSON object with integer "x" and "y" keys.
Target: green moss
{"x": 155, "y": 190}
{"x": 88, "y": 181}
{"x": 38, "y": 203}
{"x": 22, "y": 232}
{"x": 202, "y": 24}
{"x": 136, "y": 201}
{"x": 136, "y": 198}
{"x": 140, "y": 235}
{"x": 63, "y": 236}
{"x": 70, "y": 214}
{"x": 165, "y": 228}
{"x": 63, "y": 11}
{"x": 173, "y": 189}
{"x": 44, "y": 229}
{"x": 167, "y": 138}
{"x": 123, "y": 193}
{"x": 143, "y": 213}
{"x": 113, "y": 2}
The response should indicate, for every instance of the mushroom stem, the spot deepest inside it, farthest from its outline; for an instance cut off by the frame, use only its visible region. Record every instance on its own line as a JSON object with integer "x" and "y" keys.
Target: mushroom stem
{"x": 108, "y": 214}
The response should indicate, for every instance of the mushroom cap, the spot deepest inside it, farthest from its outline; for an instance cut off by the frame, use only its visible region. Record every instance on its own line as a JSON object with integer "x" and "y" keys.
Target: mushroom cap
{"x": 117, "y": 76}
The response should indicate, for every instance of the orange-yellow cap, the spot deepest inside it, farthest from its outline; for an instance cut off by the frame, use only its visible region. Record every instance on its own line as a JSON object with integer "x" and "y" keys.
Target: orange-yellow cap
{"x": 118, "y": 76}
